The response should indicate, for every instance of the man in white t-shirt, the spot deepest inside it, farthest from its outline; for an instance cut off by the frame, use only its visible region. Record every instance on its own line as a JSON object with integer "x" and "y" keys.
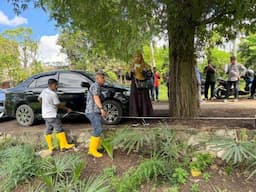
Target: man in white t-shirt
{"x": 50, "y": 104}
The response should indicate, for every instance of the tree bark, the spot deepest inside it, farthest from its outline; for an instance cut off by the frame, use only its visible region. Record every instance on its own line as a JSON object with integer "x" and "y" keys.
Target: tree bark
{"x": 184, "y": 97}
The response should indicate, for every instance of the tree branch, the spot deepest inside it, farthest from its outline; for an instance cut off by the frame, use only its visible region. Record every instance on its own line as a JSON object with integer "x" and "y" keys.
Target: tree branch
{"x": 214, "y": 18}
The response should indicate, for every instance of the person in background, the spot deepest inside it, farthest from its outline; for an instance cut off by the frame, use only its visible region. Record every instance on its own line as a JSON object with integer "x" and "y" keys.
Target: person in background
{"x": 253, "y": 87}
{"x": 50, "y": 104}
{"x": 140, "y": 104}
{"x": 156, "y": 78}
{"x": 210, "y": 80}
{"x": 234, "y": 71}
{"x": 198, "y": 78}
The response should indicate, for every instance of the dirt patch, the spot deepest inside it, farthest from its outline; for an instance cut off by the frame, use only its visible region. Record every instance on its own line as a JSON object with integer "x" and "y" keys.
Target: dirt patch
{"x": 121, "y": 163}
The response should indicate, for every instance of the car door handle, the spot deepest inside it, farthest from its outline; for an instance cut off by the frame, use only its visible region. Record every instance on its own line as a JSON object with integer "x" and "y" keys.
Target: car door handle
{"x": 29, "y": 92}
{"x": 60, "y": 92}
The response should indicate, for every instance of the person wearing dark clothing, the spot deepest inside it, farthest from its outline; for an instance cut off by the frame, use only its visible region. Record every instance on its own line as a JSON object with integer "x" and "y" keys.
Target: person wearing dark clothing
{"x": 253, "y": 87}
{"x": 210, "y": 80}
{"x": 140, "y": 104}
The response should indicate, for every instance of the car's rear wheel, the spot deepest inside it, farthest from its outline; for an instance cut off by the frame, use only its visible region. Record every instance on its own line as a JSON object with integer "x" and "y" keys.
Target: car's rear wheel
{"x": 114, "y": 112}
{"x": 25, "y": 115}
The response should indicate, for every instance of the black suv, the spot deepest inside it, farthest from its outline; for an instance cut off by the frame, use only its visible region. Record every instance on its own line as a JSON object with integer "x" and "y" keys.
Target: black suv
{"x": 21, "y": 101}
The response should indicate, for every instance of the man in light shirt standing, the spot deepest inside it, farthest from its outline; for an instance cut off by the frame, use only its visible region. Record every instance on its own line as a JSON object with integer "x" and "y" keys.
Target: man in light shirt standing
{"x": 50, "y": 104}
{"x": 234, "y": 71}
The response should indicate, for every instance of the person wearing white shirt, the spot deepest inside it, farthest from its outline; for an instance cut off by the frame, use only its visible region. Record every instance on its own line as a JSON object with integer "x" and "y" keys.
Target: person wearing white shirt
{"x": 234, "y": 71}
{"x": 50, "y": 104}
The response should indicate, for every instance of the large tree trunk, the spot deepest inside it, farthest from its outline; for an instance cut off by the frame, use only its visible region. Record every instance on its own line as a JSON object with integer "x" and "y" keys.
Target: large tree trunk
{"x": 184, "y": 99}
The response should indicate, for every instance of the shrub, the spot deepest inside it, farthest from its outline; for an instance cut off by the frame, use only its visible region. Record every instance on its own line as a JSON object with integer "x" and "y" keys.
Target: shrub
{"x": 150, "y": 168}
{"x": 18, "y": 164}
{"x": 180, "y": 175}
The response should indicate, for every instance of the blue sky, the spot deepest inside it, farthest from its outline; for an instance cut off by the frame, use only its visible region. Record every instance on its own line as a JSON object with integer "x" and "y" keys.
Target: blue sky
{"x": 34, "y": 18}
{"x": 44, "y": 30}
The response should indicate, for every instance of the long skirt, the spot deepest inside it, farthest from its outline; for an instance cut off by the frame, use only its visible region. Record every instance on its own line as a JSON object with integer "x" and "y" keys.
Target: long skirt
{"x": 140, "y": 103}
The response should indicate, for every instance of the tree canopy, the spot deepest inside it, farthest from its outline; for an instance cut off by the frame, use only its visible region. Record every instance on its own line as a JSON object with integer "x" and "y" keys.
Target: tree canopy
{"x": 120, "y": 27}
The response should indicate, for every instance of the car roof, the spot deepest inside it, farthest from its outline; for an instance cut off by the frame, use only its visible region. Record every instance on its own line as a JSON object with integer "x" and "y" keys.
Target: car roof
{"x": 59, "y": 71}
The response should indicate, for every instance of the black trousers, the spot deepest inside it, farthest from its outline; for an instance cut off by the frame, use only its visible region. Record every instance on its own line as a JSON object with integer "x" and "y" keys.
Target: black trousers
{"x": 207, "y": 85}
{"x": 236, "y": 88}
{"x": 253, "y": 87}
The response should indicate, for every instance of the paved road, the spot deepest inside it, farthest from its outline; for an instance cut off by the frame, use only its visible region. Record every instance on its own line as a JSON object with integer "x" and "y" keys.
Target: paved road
{"x": 242, "y": 108}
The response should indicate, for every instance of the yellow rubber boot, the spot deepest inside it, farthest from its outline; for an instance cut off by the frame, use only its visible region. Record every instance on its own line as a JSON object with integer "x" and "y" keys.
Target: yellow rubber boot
{"x": 48, "y": 139}
{"x": 63, "y": 141}
{"x": 94, "y": 143}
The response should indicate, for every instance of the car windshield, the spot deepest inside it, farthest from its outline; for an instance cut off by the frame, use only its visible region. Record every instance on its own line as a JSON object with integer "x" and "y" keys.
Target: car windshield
{"x": 108, "y": 80}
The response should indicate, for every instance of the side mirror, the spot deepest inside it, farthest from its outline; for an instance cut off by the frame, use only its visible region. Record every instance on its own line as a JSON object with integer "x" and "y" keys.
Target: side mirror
{"x": 85, "y": 84}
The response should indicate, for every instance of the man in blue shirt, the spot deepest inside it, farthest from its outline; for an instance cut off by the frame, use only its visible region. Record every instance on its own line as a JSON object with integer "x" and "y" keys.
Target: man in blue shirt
{"x": 94, "y": 112}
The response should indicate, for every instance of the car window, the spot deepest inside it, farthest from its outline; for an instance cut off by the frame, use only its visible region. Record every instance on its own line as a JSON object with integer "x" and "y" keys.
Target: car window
{"x": 71, "y": 80}
{"x": 42, "y": 82}
{"x": 33, "y": 84}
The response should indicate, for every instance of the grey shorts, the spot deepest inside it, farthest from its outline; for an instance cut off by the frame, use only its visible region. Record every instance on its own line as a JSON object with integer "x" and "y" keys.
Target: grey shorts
{"x": 51, "y": 124}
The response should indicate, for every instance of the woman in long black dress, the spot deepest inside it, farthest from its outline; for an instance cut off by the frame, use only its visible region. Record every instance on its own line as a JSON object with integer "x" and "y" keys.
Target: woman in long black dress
{"x": 140, "y": 103}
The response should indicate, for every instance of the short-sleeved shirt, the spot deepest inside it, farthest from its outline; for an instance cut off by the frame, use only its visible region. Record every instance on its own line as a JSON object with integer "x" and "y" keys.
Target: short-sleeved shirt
{"x": 210, "y": 74}
{"x": 50, "y": 101}
{"x": 91, "y": 106}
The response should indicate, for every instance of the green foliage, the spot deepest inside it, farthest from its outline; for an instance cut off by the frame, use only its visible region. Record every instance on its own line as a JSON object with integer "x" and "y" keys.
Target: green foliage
{"x": 57, "y": 168}
{"x": 18, "y": 164}
{"x": 236, "y": 151}
{"x": 112, "y": 75}
{"x": 160, "y": 141}
{"x": 229, "y": 168}
{"x": 99, "y": 184}
{"x": 180, "y": 175}
{"x": 109, "y": 172}
{"x": 194, "y": 188}
{"x": 107, "y": 144}
{"x": 219, "y": 59}
{"x": 201, "y": 162}
{"x": 206, "y": 177}
{"x": 132, "y": 179}
{"x": 247, "y": 50}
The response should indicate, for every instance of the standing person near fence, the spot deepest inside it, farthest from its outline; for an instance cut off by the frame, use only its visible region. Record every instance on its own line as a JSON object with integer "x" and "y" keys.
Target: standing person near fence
{"x": 50, "y": 104}
{"x": 140, "y": 104}
{"x": 234, "y": 71}
{"x": 210, "y": 80}
{"x": 94, "y": 112}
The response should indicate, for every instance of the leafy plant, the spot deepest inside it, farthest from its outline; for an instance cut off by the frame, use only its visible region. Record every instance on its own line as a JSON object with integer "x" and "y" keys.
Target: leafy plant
{"x": 206, "y": 177}
{"x": 201, "y": 162}
{"x": 236, "y": 151}
{"x": 18, "y": 164}
{"x": 109, "y": 172}
{"x": 194, "y": 187}
{"x": 66, "y": 168}
{"x": 133, "y": 178}
{"x": 180, "y": 175}
{"x": 107, "y": 144}
{"x": 99, "y": 184}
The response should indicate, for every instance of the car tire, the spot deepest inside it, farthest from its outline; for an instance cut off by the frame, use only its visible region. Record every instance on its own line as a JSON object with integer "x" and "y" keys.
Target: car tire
{"x": 114, "y": 112}
{"x": 25, "y": 115}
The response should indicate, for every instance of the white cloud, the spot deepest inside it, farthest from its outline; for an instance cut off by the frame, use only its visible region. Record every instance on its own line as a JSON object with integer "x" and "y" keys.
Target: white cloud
{"x": 17, "y": 20}
{"x": 49, "y": 51}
